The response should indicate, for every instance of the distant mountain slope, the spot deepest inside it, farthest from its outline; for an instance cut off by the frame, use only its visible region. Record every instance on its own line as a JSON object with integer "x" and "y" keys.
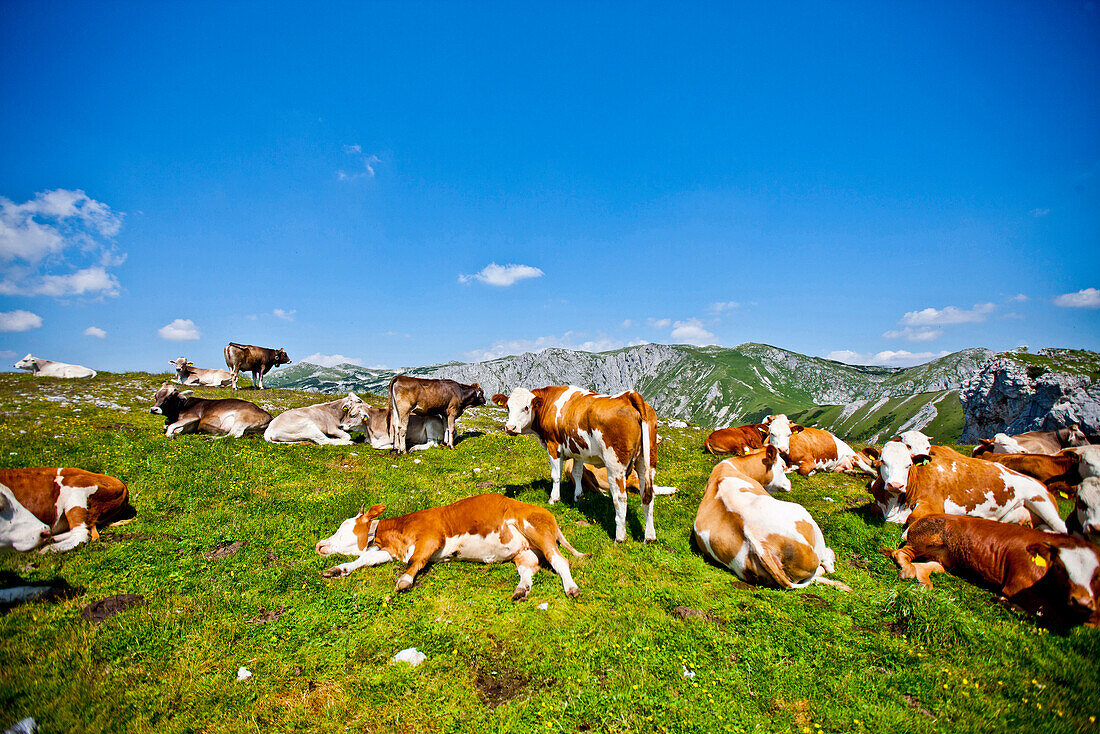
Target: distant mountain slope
{"x": 713, "y": 386}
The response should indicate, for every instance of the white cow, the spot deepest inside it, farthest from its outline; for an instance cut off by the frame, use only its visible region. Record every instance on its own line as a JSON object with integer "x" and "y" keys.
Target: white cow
{"x": 45, "y": 368}
{"x": 322, "y": 423}
{"x": 423, "y": 431}
{"x": 19, "y": 528}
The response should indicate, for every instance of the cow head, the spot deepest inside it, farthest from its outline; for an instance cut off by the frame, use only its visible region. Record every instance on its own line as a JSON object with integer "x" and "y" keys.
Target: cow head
{"x": 780, "y": 482}
{"x": 1073, "y": 436}
{"x": 523, "y": 405}
{"x": 1089, "y": 464}
{"x": 780, "y": 430}
{"x": 19, "y": 528}
{"x": 350, "y": 538}
{"x": 1005, "y": 444}
{"x": 893, "y": 464}
{"x": 27, "y": 363}
{"x": 917, "y": 443}
{"x": 169, "y": 400}
{"x": 985, "y": 446}
{"x": 281, "y": 358}
{"x": 1086, "y": 506}
{"x": 352, "y": 412}
{"x": 1076, "y": 567}
{"x": 473, "y": 395}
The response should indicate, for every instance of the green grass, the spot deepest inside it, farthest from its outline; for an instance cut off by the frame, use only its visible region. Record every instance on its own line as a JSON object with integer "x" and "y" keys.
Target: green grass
{"x": 889, "y": 657}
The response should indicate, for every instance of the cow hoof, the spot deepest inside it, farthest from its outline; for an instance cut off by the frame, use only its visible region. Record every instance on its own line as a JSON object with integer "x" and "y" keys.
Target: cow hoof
{"x": 647, "y": 541}
{"x": 333, "y": 573}
{"x": 620, "y": 540}
{"x": 573, "y": 593}
{"x": 520, "y": 594}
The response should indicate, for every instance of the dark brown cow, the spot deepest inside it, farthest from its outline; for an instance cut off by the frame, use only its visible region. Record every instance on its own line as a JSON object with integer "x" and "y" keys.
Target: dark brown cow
{"x": 72, "y": 502}
{"x": 445, "y": 398}
{"x": 257, "y": 360}
{"x": 737, "y": 440}
{"x": 184, "y": 413}
{"x": 1060, "y": 472}
{"x": 1055, "y": 576}
{"x": 617, "y": 432}
{"x": 488, "y": 528}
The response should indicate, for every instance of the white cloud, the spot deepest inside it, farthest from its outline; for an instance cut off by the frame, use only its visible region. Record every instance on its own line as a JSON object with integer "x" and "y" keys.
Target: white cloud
{"x": 691, "y": 332}
{"x": 353, "y": 149}
{"x": 1087, "y": 298}
{"x": 95, "y": 331}
{"x": 367, "y": 161}
{"x": 659, "y": 323}
{"x": 19, "y": 321}
{"x": 626, "y": 324}
{"x": 180, "y": 330}
{"x": 914, "y": 335}
{"x": 502, "y": 275}
{"x": 721, "y": 306}
{"x": 60, "y": 243}
{"x": 1019, "y": 297}
{"x": 1039, "y": 212}
{"x": 397, "y": 333}
{"x": 568, "y": 340}
{"x": 900, "y": 358}
{"x": 285, "y": 315}
{"x": 331, "y": 360}
{"x": 948, "y": 315}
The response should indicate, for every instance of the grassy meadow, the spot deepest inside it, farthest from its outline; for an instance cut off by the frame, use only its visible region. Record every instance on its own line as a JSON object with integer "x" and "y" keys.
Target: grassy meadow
{"x": 888, "y": 657}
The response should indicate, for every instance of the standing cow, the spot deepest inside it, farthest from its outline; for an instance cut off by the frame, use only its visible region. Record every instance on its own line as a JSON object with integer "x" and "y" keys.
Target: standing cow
{"x": 46, "y": 368}
{"x": 257, "y": 360}
{"x": 445, "y": 398}
{"x": 618, "y": 432}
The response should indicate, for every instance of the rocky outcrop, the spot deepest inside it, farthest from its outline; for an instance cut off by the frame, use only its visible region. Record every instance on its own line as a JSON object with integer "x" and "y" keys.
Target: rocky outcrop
{"x": 1013, "y": 394}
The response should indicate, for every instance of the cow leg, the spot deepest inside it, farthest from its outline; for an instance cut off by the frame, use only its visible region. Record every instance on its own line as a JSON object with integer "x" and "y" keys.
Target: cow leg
{"x": 923, "y": 572}
{"x": 1047, "y": 512}
{"x": 449, "y": 438}
{"x": 578, "y": 479}
{"x": 527, "y": 564}
{"x": 78, "y": 533}
{"x": 235, "y": 372}
{"x": 180, "y": 426}
{"x": 806, "y": 468}
{"x": 618, "y": 497}
{"x": 422, "y": 553}
{"x": 555, "y": 472}
{"x": 369, "y": 558}
{"x": 645, "y": 491}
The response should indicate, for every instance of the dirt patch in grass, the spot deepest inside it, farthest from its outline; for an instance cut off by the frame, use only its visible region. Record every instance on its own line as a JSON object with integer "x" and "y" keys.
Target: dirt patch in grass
{"x": 799, "y": 710}
{"x": 857, "y": 560}
{"x": 815, "y": 601}
{"x": 104, "y": 609}
{"x": 499, "y": 685}
{"x": 224, "y": 550}
{"x": 119, "y": 537}
{"x": 914, "y": 703}
{"x": 484, "y": 485}
{"x": 268, "y": 615}
{"x": 689, "y": 613}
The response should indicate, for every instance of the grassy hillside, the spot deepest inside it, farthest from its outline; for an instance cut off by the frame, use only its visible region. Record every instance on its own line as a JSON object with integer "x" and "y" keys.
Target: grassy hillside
{"x": 888, "y": 657}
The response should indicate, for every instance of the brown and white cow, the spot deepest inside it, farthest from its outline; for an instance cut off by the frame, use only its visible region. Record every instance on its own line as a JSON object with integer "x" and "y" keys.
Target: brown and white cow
{"x": 188, "y": 374}
{"x": 1059, "y": 472}
{"x": 422, "y": 432}
{"x": 812, "y": 449}
{"x": 1056, "y": 576}
{"x": 617, "y": 432}
{"x": 488, "y": 528}
{"x": 946, "y": 482}
{"x": 184, "y": 413}
{"x": 19, "y": 528}
{"x": 761, "y": 539}
{"x": 1084, "y": 518}
{"x": 47, "y": 368}
{"x": 445, "y": 398}
{"x": 736, "y": 440}
{"x": 257, "y": 360}
{"x": 1033, "y": 442}
{"x": 322, "y": 423}
{"x": 71, "y": 502}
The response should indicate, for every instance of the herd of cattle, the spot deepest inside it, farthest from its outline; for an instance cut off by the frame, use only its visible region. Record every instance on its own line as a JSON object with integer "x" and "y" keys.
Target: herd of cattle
{"x": 992, "y": 516}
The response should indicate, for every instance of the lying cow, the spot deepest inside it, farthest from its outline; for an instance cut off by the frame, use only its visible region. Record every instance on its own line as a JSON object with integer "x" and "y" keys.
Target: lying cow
{"x": 422, "y": 432}
{"x": 761, "y": 539}
{"x": 737, "y": 440}
{"x": 71, "y": 502}
{"x": 445, "y": 398}
{"x": 812, "y": 449}
{"x": 184, "y": 413}
{"x": 619, "y": 433}
{"x": 19, "y": 528}
{"x": 188, "y": 374}
{"x": 1060, "y": 472}
{"x": 1084, "y": 518}
{"x": 946, "y": 482}
{"x": 1033, "y": 442}
{"x": 1056, "y": 576}
{"x": 257, "y": 360}
{"x": 594, "y": 479}
{"x": 45, "y": 368}
{"x": 323, "y": 423}
{"x": 1089, "y": 465}
{"x": 488, "y": 528}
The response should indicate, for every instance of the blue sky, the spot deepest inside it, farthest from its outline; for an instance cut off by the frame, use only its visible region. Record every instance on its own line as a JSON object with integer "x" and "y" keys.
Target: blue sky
{"x": 409, "y": 183}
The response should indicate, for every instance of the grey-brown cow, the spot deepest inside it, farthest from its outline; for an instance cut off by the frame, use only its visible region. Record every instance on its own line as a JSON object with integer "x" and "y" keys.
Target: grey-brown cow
{"x": 445, "y": 398}
{"x": 188, "y": 374}
{"x": 257, "y": 360}
{"x": 1033, "y": 442}
{"x": 423, "y": 431}
{"x": 184, "y": 413}
{"x": 322, "y": 423}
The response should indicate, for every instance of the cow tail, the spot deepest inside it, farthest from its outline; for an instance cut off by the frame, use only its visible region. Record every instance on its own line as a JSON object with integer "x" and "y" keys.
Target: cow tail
{"x": 393, "y": 414}
{"x": 647, "y": 420}
{"x": 770, "y": 562}
{"x": 707, "y": 448}
{"x": 565, "y": 544}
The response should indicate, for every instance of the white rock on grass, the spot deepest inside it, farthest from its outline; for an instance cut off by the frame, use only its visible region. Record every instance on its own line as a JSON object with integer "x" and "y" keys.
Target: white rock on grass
{"x": 243, "y": 673}
{"x": 409, "y": 655}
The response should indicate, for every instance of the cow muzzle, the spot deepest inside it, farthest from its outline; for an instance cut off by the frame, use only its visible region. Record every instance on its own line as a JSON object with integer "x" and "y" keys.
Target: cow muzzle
{"x": 156, "y": 411}
{"x": 321, "y": 548}
{"x": 511, "y": 430}
{"x": 894, "y": 486}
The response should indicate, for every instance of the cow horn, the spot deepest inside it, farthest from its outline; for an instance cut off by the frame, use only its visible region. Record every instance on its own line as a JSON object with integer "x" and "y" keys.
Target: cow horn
{"x": 362, "y": 508}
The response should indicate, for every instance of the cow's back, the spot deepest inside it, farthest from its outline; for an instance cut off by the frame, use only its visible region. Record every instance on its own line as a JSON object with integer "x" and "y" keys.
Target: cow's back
{"x": 812, "y": 444}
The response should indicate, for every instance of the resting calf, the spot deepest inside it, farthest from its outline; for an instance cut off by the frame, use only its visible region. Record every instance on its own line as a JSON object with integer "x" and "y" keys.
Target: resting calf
{"x": 323, "y": 423}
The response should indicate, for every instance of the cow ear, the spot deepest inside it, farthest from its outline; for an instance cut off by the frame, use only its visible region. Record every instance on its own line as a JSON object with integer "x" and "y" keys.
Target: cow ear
{"x": 1040, "y": 554}
{"x": 187, "y": 393}
{"x": 375, "y": 511}
{"x": 476, "y": 385}
{"x": 536, "y": 401}
{"x": 770, "y": 453}
{"x": 762, "y": 429}
{"x": 871, "y": 451}
{"x": 795, "y": 428}
{"x": 501, "y": 400}
{"x": 921, "y": 459}
{"x": 171, "y": 361}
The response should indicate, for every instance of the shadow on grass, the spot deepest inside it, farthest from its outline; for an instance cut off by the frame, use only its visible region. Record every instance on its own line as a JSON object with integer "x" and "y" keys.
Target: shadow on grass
{"x": 595, "y": 506}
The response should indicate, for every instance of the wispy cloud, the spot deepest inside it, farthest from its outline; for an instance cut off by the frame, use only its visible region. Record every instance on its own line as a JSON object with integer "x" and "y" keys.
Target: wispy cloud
{"x": 331, "y": 360}
{"x": 948, "y": 315}
{"x": 923, "y": 334}
{"x": 691, "y": 331}
{"x": 19, "y": 321}
{"x": 502, "y": 275}
{"x": 285, "y": 315}
{"x": 1039, "y": 212}
{"x": 364, "y": 164}
{"x": 721, "y": 306}
{"x": 568, "y": 340}
{"x": 60, "y": 243}
{"x": 1087, "y": 298}
{"x": 180, "y": 330}
{"x": 1020, "y": 298}
{"x": 95, "y": 331}
{"x": 659, "y": 323}
{"x": 900, "y": 358}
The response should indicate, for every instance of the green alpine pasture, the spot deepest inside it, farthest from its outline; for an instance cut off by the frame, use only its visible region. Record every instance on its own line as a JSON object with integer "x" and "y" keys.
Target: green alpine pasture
{"x": 222, "y": 550}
